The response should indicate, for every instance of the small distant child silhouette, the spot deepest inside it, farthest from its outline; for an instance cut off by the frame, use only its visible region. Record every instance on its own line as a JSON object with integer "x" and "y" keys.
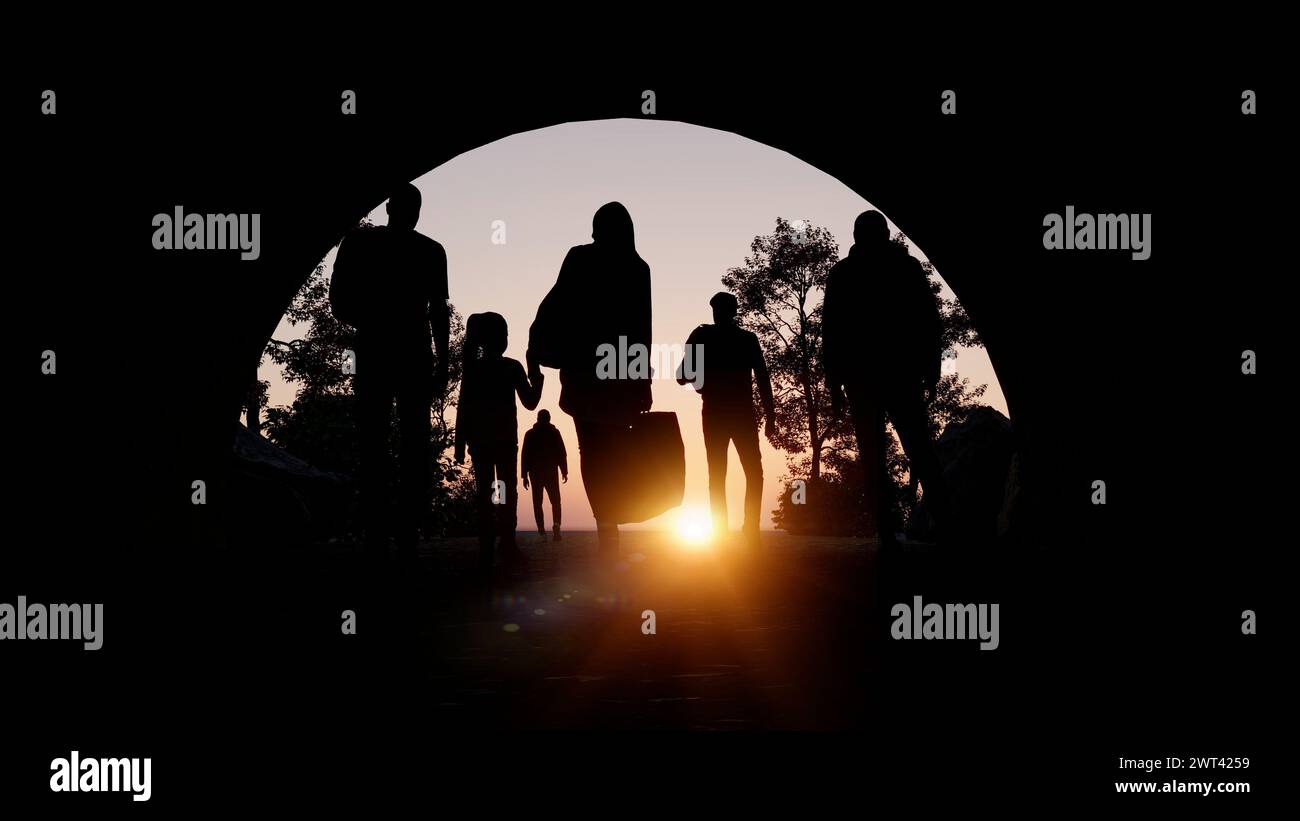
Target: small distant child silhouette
{"x": 487, "y": 424}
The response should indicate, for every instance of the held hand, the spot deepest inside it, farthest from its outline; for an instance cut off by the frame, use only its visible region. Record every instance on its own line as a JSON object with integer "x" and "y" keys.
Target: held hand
{"x": 531, "y": 360}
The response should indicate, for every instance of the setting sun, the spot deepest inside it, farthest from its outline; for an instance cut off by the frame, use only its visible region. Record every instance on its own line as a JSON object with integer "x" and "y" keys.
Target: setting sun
{"x": 694, "y": 527}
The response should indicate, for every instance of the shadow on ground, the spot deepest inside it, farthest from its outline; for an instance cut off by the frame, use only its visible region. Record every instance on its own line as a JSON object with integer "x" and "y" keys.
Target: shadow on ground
{"x": 791, "y": 637}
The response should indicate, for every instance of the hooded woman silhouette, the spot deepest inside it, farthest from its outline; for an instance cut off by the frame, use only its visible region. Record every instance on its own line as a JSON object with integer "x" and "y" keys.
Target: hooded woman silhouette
{"x": 601, "y": 297}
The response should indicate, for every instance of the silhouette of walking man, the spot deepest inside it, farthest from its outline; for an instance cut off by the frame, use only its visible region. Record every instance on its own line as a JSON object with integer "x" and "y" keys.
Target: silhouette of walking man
{"x": 881, "y": 346}
{"x": 390, "y": 285}
{"x": 542, "y": 462}
{"x": 728, "y": 362}
{"x": 601, "y": 297}
{"x": 487, "y": 423}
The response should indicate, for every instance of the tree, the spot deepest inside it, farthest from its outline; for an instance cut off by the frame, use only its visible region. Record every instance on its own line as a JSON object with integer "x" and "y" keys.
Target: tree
{"x": 779, "y": 291}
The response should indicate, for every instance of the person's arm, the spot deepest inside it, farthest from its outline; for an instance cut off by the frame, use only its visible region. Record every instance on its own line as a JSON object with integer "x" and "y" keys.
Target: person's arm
{"x": 645, "y": 334}
{"x": 463, "y": 405}
{"x": 691, "y": 342}
{"x": 526, "y": 454}
{"x": 549, "y": 334}
{"x": 765, "y": 383}
{"x": 934, "y": 330}
{"x": 344, "y": 279}
{"x": 564, "y": 455}
{"x": 440, "y": 316}
{"x": 831, "y": 333}
{"x": 831, "y": 344}
{"x": 528, "y": 386}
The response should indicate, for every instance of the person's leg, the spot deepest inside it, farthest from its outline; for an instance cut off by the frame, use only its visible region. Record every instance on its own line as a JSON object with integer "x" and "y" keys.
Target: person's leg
{"x": 552, "y": 485}
{"x": 910, "y": 418}
{"x": 607, "y": 538}
{"x": 374, "y": 407}
{"x": 414, "y": 396}
{"x": 589, "y": 463}
{"x": 507, "y": 461}
{"x": 887, "y": 521}
{"x": 716, "y": 439}
{"x": 745, "y": 434}
{"x": 868, "y": 428}
{"x": 534, "y": 479}
{"x": 484, "y": 476}
{"x": 597, "y": 457}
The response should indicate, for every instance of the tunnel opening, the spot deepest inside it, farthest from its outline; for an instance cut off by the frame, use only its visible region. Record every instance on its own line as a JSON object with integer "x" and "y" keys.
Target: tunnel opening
{"x": 471, "y": 173}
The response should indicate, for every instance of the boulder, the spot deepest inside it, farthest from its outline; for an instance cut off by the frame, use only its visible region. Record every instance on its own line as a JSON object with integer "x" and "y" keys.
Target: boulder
{"x": 976, "y": 455}
{"x": 279, "y": 499}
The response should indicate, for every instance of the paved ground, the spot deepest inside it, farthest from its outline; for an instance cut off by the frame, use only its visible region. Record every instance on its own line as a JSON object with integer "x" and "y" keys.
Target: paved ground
{"x": 771, "y": 641}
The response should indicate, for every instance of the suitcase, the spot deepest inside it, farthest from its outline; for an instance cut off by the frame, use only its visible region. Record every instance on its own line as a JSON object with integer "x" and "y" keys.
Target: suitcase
{"x": 652, "y": 467}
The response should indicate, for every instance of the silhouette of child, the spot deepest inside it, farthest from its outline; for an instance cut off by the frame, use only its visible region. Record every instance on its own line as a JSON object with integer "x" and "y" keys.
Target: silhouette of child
{"x": 487, "y": 424}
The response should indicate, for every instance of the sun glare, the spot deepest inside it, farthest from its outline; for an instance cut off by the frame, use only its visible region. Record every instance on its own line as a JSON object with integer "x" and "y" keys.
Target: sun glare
{"x": 694, "y": 528}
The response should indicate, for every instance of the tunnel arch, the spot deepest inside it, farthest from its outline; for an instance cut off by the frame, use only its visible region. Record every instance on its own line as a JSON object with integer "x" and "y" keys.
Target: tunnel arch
{"x": 375, "y": 196}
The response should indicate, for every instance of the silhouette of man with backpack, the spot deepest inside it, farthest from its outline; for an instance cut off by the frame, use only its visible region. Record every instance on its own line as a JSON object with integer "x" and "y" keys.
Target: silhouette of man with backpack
{"x": 881, "y": 347}
{"x": 543, "y": 461}
{"x": 728, "y": 363}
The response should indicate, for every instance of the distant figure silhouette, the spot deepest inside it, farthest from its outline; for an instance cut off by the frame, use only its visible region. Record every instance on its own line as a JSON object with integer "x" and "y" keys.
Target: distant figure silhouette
{"x": 730, "y": 361}
{"x": 390, "y": 284}
{"x": 542, "y": 462}
{"x": 486, "y": 423}
{"x": 881, "y": 344}
{"x": 601, "y": 296}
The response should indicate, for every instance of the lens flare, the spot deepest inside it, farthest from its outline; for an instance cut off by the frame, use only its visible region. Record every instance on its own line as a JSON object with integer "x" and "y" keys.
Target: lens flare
{"x": 695, "y": 528}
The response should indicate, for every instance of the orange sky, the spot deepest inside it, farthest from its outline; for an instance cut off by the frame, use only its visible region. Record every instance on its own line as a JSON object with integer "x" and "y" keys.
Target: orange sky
{"x": 697, "y": 196}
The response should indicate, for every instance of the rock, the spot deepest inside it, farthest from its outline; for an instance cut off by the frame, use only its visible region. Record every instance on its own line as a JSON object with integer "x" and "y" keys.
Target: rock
{"x": 256, "y": 454}
{"x": 278, "y": 498}
{"x": 976, "y": 456}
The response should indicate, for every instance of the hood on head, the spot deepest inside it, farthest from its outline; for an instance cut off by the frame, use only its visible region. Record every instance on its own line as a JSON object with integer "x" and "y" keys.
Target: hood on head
{"x": 612, "y": 227}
